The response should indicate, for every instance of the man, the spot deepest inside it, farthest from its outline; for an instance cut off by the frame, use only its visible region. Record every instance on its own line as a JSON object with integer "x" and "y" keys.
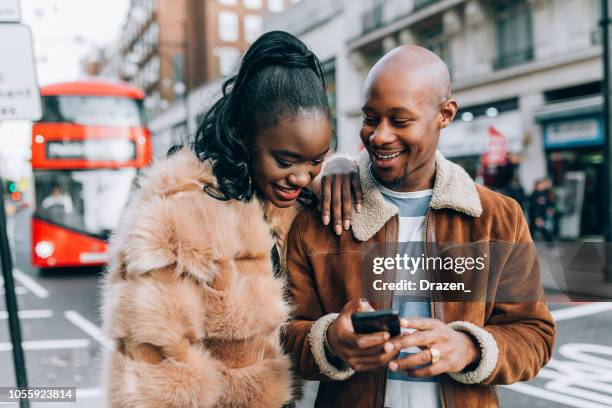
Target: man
{"x": 541, "y": 210}
{"x": 412, "y": 193}
{"x": 57, "y": 198}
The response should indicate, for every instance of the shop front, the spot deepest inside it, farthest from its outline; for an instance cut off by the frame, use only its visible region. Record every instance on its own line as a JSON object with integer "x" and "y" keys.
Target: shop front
{"x": 482, "y": 144}
{"x": 573, "y": 142}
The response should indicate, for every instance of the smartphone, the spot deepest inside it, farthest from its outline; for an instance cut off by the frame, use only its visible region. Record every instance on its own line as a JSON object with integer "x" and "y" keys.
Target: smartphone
{"x": 377, "y": 321}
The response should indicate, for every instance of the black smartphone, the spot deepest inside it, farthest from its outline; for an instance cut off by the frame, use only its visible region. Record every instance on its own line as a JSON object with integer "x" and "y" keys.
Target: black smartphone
{"x": 377, "y": 321}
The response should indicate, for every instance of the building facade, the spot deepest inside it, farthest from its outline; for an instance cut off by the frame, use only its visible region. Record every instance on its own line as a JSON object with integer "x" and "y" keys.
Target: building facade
{"x": 102, "y": 62}
{"x": 215, "y": 34}
{"x": 528, "y": 70}
{"x": 152, "y": 49}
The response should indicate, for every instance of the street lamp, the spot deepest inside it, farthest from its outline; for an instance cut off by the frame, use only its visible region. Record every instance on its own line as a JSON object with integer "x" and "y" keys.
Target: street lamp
{"x": 607, "y": 115}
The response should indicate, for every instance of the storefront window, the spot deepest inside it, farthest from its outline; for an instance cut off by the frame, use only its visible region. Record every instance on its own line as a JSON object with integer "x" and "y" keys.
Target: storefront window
{"x": 587, "y": 167}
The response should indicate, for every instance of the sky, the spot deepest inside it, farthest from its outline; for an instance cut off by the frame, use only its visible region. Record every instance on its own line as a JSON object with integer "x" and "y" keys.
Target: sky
{"x": 64, "y": 31}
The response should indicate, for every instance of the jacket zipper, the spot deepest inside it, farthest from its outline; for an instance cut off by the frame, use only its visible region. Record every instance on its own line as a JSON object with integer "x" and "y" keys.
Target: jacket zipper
{"x": 442, "y": 395}
{"x": 395, "y": 246}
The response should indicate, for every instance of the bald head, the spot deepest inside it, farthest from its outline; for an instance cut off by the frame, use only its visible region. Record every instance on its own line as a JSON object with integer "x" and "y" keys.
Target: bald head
{"x": 415, "y": 66}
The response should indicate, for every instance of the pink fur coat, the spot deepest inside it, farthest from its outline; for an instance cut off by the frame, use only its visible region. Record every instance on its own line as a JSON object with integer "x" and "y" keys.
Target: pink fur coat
{"x": 189, "y": 299}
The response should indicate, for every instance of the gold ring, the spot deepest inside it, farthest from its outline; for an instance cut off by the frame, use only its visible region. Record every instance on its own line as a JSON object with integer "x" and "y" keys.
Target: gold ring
{"x": 435, "y": 355}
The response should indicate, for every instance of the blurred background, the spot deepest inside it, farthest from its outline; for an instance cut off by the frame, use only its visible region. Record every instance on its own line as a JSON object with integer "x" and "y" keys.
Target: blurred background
{"x": 124, "y": 80}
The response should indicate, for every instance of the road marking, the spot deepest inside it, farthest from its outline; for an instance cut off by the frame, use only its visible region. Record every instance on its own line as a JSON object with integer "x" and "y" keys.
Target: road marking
{"x": 19, "y": 290}
{"x": 48, "y": 344}
{"x": 30, "y": 284}
{"x": 582, "y": 310}
{"x": 553, "y": 396}
{"x": 583, "y": 378}
{"x": 30, "y": 314}
{"x": 88, "y": 327}
{"x": 589, "y": 353}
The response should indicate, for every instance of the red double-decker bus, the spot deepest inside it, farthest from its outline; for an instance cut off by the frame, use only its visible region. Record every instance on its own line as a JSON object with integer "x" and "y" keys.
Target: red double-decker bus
{"x": 86, "y": 151}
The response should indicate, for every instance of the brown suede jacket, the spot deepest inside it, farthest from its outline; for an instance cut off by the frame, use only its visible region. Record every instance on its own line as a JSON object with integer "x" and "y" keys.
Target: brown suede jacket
{"x": 516, "y": 337}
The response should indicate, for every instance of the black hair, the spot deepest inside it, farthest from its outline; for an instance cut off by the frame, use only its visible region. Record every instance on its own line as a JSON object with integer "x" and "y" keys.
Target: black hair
{"x": 278, "y": 76}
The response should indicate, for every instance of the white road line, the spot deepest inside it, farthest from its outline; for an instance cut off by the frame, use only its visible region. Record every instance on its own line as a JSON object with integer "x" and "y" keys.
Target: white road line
{"x": 48, "y": 344}
{"x": 30, "y": 314}
{"x": 30, "y": 284}
{"x": 88, "y": 327}
{"x": 19, "y": 290}
{"x": 553, "y": 396}
{"x": 582, "y": 310}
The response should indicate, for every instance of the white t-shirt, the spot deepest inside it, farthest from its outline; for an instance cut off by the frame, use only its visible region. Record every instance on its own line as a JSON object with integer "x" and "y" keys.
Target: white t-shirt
{"x": 403, "y": 391}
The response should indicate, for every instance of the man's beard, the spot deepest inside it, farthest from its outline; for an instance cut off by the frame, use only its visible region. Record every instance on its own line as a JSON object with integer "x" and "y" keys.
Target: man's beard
{"x": 400, "y": 181}
{"x": 397, "y": 182}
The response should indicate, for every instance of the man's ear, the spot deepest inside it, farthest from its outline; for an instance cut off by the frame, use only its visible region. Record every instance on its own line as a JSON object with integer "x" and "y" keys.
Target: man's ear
{"x": 448, "y": 110}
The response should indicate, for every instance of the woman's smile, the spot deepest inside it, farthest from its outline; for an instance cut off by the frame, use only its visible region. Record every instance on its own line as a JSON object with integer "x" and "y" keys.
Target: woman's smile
{"x": 286, "y": 193}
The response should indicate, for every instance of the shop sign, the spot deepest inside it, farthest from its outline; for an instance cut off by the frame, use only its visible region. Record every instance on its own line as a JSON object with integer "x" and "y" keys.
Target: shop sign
{"x": 497, "y": 153}
{"x": 474, "y": 138}
{"x": 118, "y": 150}
{"x": 585, "y": 131}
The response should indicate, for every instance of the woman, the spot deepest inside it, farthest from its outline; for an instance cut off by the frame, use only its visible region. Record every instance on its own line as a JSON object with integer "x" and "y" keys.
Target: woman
{"x": 190, "y": 300}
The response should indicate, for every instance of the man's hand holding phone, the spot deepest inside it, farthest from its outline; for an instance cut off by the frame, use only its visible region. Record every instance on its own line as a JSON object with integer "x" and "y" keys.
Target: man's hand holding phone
{"x": 361, "y": 352}
{"x": 455, "y": 350}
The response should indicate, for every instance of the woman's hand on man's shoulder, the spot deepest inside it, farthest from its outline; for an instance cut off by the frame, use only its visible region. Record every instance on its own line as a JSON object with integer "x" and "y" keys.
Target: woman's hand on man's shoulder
{"x": 339, "y": 190}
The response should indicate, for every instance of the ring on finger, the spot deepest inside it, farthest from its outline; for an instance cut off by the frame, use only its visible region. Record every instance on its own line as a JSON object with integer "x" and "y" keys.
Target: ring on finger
{"x": 435, "y": 355}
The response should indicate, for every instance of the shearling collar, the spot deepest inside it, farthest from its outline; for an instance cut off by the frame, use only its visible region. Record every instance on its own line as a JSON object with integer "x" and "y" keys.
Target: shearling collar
{"x": 453, "y": 189}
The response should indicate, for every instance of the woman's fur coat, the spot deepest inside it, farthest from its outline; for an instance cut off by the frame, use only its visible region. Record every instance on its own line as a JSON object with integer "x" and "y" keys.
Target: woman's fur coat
{"x": 190, "y": 301}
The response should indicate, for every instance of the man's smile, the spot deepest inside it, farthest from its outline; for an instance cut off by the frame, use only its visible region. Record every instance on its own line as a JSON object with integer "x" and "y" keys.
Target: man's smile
{"x": 385, "y": 155}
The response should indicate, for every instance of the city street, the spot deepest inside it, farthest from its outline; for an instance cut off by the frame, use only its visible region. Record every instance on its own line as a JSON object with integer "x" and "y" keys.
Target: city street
{"x": 511, "y": 95}
{"x": 60, "y": 324}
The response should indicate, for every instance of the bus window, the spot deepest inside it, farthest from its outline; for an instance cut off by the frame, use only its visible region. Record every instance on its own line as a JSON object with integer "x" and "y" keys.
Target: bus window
{"x": 88, "y": 201}
{"x": 93, "y": 110}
